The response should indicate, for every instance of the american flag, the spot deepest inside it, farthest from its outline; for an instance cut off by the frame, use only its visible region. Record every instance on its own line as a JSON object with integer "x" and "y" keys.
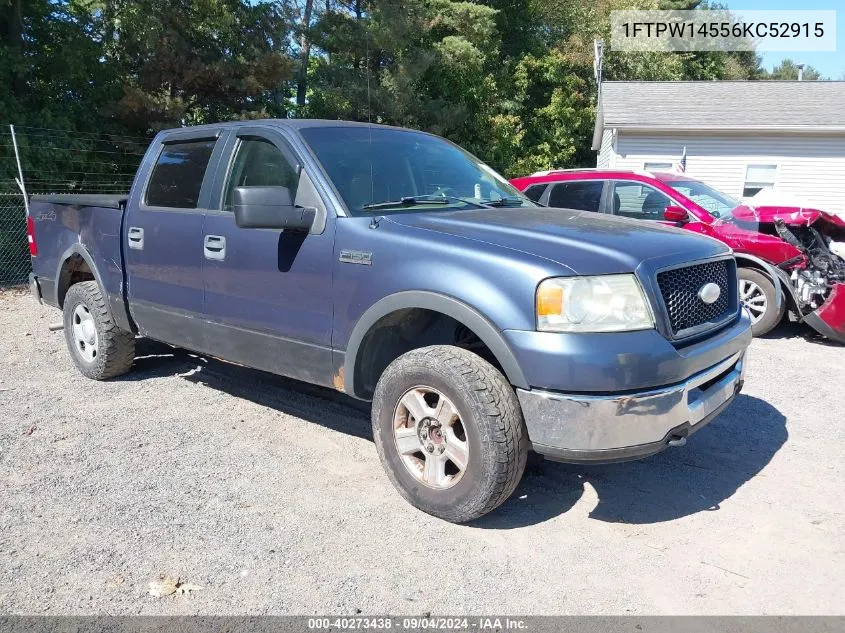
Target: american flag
{"x": 682, "y": 164}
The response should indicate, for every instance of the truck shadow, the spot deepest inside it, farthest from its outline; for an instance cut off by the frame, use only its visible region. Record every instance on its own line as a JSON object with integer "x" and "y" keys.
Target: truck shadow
{"x": 715, "y": 463}
{"x": 792, "y": 330}
{"x": 312, "y": 403}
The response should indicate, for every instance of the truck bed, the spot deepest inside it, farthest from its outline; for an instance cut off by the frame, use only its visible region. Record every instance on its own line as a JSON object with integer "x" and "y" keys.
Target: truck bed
{"x": 106, "y": 201}
{"x": 83, "y": 227}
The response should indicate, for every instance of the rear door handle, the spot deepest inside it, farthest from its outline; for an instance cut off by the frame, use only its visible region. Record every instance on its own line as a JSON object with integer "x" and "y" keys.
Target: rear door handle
{"x": 136, "y": 238}
{"x": 214, "y": 247}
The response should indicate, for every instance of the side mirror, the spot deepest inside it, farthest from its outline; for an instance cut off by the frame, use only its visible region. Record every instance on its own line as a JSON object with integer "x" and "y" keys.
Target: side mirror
{"x": 270, "y": 208}
{"x": 674, "y": 213}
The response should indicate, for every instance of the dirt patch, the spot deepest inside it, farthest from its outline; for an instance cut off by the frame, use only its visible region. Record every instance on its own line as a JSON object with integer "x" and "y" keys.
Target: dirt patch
{"x": 268, "y": 494}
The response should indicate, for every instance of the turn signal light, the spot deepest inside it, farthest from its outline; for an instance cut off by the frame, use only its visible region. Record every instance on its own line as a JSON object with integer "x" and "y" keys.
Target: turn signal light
{"x": 30, "y": 236}
{"x": 549, "y": 300}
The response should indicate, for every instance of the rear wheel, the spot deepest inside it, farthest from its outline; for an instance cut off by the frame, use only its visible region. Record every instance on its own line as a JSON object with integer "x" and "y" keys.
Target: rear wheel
{"x": 97, "y": 346}
{"x": 757, "y": 293}
{"x": 449, "y": 431}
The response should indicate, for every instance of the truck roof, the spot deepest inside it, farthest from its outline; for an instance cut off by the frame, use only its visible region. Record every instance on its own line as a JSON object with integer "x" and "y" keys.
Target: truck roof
{"x": 291, "y": 123}
{"x": 593, "y": 173}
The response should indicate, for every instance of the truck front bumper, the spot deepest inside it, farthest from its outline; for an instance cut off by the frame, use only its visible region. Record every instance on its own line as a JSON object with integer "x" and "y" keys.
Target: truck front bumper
{"x": 620, "y": 427}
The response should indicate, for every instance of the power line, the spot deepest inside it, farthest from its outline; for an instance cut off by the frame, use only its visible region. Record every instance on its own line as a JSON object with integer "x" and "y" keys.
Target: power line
{"x": 75, "y": 132}
{"x": 80, "y": 149}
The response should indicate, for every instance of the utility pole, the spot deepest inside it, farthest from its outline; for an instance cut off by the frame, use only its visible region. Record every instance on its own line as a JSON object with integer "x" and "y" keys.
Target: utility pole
{"x": 598, "y": 58}
{"x": 304, "y": 55}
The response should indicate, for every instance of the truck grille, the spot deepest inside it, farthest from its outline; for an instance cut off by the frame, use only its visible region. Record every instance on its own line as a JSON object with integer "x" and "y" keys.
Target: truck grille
{"x": 680, "y": 288}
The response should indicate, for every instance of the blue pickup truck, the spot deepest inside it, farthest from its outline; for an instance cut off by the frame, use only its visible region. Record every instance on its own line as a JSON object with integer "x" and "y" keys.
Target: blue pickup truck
{"x": 394, "y": 266}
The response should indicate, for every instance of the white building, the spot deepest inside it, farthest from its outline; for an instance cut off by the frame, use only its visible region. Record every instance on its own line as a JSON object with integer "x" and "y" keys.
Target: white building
{"x": 741, "y": 137}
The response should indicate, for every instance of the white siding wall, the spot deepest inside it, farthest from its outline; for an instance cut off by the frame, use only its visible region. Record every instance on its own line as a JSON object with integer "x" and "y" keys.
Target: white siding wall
{"x": 811, "y": 168}
{"x": 605, "y": 158}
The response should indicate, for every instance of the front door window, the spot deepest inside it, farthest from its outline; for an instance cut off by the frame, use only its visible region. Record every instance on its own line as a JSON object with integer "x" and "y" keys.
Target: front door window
{"x": 259, "y": 163}
{"x": 639, "y": 201}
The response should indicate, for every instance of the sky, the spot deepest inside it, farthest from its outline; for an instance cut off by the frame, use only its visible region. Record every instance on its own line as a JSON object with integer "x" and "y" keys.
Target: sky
{"x": 830, "y": 65}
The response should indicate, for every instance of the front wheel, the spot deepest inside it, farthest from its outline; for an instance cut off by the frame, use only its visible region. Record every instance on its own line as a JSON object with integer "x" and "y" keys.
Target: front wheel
{"x": 449, "y": 432}
{"x": 759, "y": 296}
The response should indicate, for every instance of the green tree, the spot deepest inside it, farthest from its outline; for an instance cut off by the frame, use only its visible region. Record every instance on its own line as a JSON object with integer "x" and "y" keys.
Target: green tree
{"x": 196, "y": 61}
{"x": 510, "y": 80}
{"x": 554, "y": 90}
{"x": 50, "y": 69}
{"x": 787, "y": 70}
{"x": 426, "y": 64}
{"x": 678, "y": 5}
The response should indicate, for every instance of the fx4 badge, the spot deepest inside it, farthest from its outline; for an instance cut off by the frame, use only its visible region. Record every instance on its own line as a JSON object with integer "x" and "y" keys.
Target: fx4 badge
{"x": 356, "y": 257}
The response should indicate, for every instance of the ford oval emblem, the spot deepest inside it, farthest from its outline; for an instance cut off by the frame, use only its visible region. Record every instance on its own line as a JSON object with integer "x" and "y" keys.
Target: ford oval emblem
{"x": 709, "y": 293}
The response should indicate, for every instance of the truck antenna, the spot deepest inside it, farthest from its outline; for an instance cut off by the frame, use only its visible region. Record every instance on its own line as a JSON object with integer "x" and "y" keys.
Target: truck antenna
{"x": 373, "y": 220}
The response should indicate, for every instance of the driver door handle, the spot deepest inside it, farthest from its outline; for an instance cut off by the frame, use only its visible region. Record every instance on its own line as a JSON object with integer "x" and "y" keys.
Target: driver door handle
{"x": 214, "y": 247}
{"x": 135, "y": 237}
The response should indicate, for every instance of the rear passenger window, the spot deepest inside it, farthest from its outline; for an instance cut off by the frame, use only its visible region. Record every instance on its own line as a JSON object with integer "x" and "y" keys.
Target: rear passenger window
{"x": 178, "y": 174}
{"x": 535, "y": 192}
{"x": 583, "y": 196}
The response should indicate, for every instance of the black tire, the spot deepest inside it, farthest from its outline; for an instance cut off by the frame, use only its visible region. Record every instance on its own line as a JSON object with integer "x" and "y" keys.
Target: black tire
{"x": 115, "y": 348}
{"x": 491, "y": 418}
{"x": 771, "y": 317}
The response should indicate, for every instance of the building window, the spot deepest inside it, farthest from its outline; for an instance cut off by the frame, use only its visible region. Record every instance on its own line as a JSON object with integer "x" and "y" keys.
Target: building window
{"x": 657, "y": 166}
{"x": 757, "y": 178}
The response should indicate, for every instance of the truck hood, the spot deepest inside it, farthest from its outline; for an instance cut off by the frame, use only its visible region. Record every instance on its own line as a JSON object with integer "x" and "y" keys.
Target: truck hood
{"x": 795, "y": 216}
{"x": 744, "y": 240}
{"x": 586, "y": 243}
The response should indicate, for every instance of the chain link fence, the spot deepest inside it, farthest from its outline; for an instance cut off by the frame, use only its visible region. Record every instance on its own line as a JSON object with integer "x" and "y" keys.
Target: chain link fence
{"x": 56, "y": 161}
{"x": 14, "y": 251}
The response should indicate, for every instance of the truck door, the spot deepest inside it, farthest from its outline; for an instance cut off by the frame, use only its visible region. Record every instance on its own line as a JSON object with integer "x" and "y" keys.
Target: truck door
{"x": 163, "y": 238}
{"x": 268, "y": 299}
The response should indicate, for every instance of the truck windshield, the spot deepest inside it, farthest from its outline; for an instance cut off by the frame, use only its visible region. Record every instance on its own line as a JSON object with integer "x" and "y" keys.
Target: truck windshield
{"x": 714, "y": 202}
{"x": 398, "y": 171}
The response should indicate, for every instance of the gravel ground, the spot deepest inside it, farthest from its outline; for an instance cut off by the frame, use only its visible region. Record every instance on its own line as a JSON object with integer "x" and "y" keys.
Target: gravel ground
{"x": 268, "y": 494}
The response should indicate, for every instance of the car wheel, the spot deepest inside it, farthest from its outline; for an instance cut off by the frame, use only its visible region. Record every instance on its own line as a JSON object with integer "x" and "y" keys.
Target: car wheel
{"x": 97, "y": 346}
{"x": 449, "y": 432}
{"x": 757, "y": 293}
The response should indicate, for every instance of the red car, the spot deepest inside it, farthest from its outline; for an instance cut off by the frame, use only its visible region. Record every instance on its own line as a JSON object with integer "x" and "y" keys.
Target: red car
{"x": 789, "y": 257}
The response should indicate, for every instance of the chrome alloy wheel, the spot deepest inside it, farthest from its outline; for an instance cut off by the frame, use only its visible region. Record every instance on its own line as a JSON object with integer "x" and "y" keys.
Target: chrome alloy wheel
{"x": 753, "y": 298}
{"x": 430, "y": 438}
{"x": 85, "y": 333}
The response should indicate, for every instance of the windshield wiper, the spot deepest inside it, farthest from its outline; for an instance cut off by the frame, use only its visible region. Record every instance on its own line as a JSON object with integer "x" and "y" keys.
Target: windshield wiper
{"x": 408, "y": 201}
{"x": 502, "y": 202}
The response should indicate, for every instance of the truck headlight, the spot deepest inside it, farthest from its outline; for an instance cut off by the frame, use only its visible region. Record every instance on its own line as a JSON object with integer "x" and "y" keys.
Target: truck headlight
{"x": 607, "y": 303}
